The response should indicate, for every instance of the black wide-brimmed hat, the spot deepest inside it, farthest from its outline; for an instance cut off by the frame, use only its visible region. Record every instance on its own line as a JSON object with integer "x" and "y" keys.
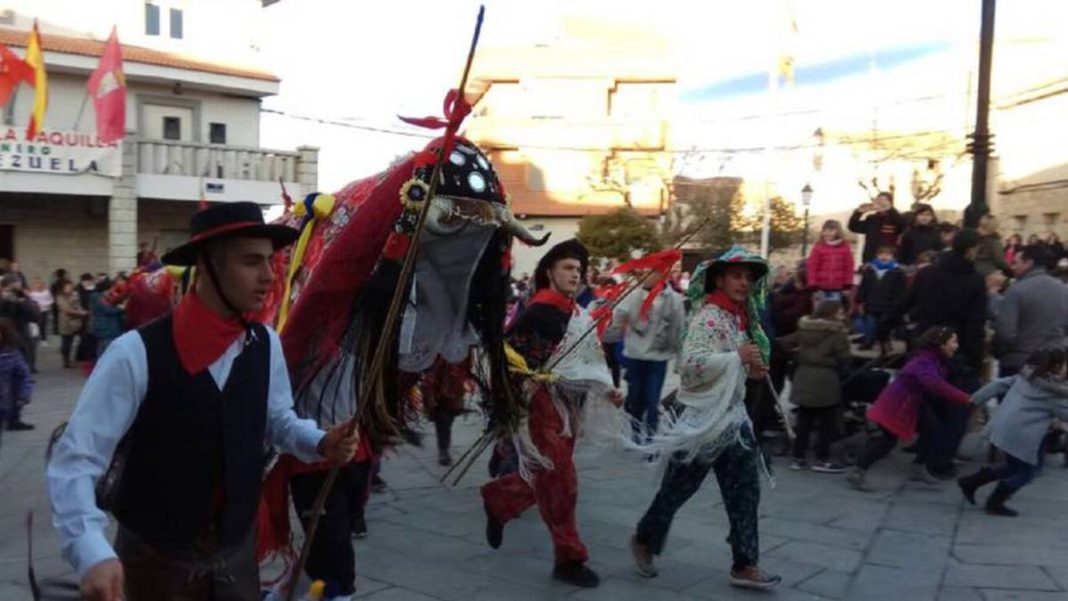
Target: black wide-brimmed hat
{"x": 229, "y": 220}
{"x": 568, "y": 249}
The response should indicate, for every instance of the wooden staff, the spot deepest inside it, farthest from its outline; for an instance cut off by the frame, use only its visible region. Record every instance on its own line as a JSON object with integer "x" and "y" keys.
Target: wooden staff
{"x": 392, "y": 317}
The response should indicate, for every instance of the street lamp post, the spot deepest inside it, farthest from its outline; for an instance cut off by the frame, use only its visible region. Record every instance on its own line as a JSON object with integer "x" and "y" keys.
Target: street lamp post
{"x": 806, "y": 200}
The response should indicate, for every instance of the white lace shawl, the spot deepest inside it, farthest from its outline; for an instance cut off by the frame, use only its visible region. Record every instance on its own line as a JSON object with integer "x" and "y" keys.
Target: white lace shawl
{"x": 712, "y": 391}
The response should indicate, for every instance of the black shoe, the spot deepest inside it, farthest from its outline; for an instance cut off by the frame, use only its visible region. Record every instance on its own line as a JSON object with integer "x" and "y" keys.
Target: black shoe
{"x": 444, "y": 459}
{"x": 576, "y": 573}
{"x": 19, "y": 426}
{"x": 969, "y": 484}
{"x": 378, "y": 485}
{"x": 359, "y": 528}
{"x": 995, "y": 504}
{"x": 494, "y": 529}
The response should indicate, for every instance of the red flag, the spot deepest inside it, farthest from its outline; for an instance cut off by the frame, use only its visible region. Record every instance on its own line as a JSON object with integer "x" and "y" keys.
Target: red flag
{"x": 13, "y": 70}
{"x": 107, "y": 88}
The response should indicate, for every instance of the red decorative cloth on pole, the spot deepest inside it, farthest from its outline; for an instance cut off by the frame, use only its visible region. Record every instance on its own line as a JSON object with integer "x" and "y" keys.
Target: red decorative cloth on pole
{"x": 660, "y": 262}
{"x": 13, "y": 71}
{"x": 107, "y": 88}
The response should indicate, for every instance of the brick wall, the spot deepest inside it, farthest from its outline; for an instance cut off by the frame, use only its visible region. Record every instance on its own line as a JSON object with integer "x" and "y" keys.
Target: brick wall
{"x": 57, "y": 231}
{"x": 168, "y": 219}
{"x": 72, "y": 231}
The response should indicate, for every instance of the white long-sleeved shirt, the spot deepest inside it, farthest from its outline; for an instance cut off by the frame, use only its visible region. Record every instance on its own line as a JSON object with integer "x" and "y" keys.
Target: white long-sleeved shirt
{"x": 105, "y": 411}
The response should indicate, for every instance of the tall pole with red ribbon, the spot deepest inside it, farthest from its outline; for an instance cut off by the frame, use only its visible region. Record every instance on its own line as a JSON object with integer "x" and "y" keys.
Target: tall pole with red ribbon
{"x": 456, "y": 108}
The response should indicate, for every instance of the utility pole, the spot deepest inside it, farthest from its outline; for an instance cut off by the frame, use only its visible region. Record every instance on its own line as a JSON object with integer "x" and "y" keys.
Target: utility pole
{"x": 981, "y": 144}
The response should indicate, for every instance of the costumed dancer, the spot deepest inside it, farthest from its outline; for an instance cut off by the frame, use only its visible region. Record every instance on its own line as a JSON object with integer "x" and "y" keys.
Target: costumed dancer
{"x": 181, "y": 409}
{"x": 341, "y": 280}
{"x": 543, "y": 336}
{"x": 724, "y": 346}
{"x": 443, "y": 388}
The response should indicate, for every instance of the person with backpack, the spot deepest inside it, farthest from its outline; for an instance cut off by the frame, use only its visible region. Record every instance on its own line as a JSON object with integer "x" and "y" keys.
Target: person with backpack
{"x": 188, "y": 403}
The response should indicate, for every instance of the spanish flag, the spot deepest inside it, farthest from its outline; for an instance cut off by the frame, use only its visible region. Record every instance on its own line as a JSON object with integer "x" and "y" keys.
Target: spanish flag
{"x": 35, "y": 58}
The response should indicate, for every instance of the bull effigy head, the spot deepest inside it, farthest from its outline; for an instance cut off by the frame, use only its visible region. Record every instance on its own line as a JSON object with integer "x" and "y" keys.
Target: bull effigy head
{"x": 469, "y": 192}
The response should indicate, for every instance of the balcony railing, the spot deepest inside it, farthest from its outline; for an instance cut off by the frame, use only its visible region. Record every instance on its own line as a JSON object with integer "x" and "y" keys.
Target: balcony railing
{"x": 167, "y": 157}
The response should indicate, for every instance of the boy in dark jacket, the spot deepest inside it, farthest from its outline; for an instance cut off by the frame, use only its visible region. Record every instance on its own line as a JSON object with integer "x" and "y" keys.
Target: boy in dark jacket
{"x": 882, "y": 285}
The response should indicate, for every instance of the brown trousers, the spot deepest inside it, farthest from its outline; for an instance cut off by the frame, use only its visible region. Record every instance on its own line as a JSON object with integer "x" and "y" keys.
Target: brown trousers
{"x": 222, "y": 574}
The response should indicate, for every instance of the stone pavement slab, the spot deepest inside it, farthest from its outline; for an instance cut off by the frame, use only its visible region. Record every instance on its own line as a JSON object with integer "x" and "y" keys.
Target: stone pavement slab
{"x": 426, "y": 541}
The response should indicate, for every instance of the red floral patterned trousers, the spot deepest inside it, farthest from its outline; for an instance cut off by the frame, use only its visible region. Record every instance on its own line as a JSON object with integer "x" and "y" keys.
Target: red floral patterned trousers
{"x": 554, "y": 491}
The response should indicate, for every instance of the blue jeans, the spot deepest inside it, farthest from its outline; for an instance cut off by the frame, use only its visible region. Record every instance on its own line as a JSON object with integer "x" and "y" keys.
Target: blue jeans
{"x": 1015, "y": 473}
{"x": 645, "y": 382}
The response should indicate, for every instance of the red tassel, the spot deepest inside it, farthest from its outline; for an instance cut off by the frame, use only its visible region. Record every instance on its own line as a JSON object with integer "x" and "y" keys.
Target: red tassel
{"x": 396, "y": 246}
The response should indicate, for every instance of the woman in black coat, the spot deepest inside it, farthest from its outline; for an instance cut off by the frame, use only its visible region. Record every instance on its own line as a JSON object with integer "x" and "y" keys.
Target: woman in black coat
{"x": 923, "y": 235}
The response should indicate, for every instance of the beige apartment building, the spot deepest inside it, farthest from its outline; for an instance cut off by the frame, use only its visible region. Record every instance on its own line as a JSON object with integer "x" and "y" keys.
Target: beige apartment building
{"x": 192, "y": 134}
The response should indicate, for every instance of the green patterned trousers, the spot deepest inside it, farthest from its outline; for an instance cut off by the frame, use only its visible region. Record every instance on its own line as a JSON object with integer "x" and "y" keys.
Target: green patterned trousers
{"x": 738, "y": 473}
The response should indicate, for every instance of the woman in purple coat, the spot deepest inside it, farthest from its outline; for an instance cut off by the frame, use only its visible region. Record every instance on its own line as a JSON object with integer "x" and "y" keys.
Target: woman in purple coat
{"x": 901, "y": 405}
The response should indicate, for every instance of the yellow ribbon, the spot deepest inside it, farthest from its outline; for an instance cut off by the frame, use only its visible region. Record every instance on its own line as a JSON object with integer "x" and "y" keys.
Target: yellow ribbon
{"x": 322, "y": 206}
{"x": 518, "y": 365}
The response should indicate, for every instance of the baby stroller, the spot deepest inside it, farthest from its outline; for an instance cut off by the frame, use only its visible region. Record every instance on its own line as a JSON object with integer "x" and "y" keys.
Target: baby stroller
{"x": 861, "y": 385}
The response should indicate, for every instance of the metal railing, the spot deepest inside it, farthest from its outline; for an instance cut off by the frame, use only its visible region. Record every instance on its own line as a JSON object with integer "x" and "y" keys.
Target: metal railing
{"x": 168, "y": 157}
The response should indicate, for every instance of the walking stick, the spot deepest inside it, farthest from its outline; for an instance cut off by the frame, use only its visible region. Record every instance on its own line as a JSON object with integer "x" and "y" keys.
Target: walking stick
{"x": 390, "y": 323}
{"x": 35, "y": 589}
{"x": 483, "y": 441}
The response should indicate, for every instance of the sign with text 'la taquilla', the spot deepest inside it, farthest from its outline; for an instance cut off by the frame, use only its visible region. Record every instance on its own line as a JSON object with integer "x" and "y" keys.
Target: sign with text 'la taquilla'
{"x": 59, "y": 153}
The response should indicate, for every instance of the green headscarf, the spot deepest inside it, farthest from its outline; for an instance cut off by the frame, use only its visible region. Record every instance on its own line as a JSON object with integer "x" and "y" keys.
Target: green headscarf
{"x": 758, "y": 296}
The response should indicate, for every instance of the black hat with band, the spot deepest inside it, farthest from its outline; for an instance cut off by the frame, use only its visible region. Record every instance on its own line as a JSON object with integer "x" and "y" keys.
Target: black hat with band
{"x": 228, "y": 220}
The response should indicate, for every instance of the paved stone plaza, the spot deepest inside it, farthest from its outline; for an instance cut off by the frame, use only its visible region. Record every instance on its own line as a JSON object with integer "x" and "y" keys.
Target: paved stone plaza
{"x": 905, "y": 543}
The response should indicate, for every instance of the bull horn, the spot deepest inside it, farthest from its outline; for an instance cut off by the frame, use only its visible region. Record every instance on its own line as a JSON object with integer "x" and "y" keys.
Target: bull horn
{"x": 519, "y": 231}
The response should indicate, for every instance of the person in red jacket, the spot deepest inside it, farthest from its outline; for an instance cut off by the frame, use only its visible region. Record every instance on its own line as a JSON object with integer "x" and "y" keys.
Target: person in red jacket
{"x": 903, "y": 404}
{"x": 830, "y": 264}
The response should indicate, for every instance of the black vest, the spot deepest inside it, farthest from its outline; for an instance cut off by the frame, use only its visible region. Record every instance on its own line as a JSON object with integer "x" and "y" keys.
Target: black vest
{"x": 191, "y": 443}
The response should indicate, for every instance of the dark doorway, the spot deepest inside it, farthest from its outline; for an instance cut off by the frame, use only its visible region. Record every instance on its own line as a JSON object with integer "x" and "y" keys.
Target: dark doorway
{"x": 7, "y": 241}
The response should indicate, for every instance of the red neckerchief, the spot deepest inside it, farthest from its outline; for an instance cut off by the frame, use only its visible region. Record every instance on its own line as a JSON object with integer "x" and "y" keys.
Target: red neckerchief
{"x": 721, "y": 300}
{"x": 200, "y": 334}
{"x": 554, "y": 298}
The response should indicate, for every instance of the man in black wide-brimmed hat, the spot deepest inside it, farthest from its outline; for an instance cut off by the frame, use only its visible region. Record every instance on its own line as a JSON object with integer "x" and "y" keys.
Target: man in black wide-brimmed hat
{"x": 187, "y": 404}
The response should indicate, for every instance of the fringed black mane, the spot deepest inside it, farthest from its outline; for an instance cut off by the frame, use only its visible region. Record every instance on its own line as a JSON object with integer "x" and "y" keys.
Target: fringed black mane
{"x": 487, "y": 308}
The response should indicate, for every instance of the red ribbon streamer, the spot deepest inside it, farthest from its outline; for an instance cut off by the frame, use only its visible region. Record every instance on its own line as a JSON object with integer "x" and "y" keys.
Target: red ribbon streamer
{"x": 661, "y": 262}
{"x": 455, "y": 109}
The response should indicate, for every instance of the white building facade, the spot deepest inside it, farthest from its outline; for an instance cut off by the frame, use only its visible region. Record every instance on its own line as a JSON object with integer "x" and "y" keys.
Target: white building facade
{"x": 192, "y": 126}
